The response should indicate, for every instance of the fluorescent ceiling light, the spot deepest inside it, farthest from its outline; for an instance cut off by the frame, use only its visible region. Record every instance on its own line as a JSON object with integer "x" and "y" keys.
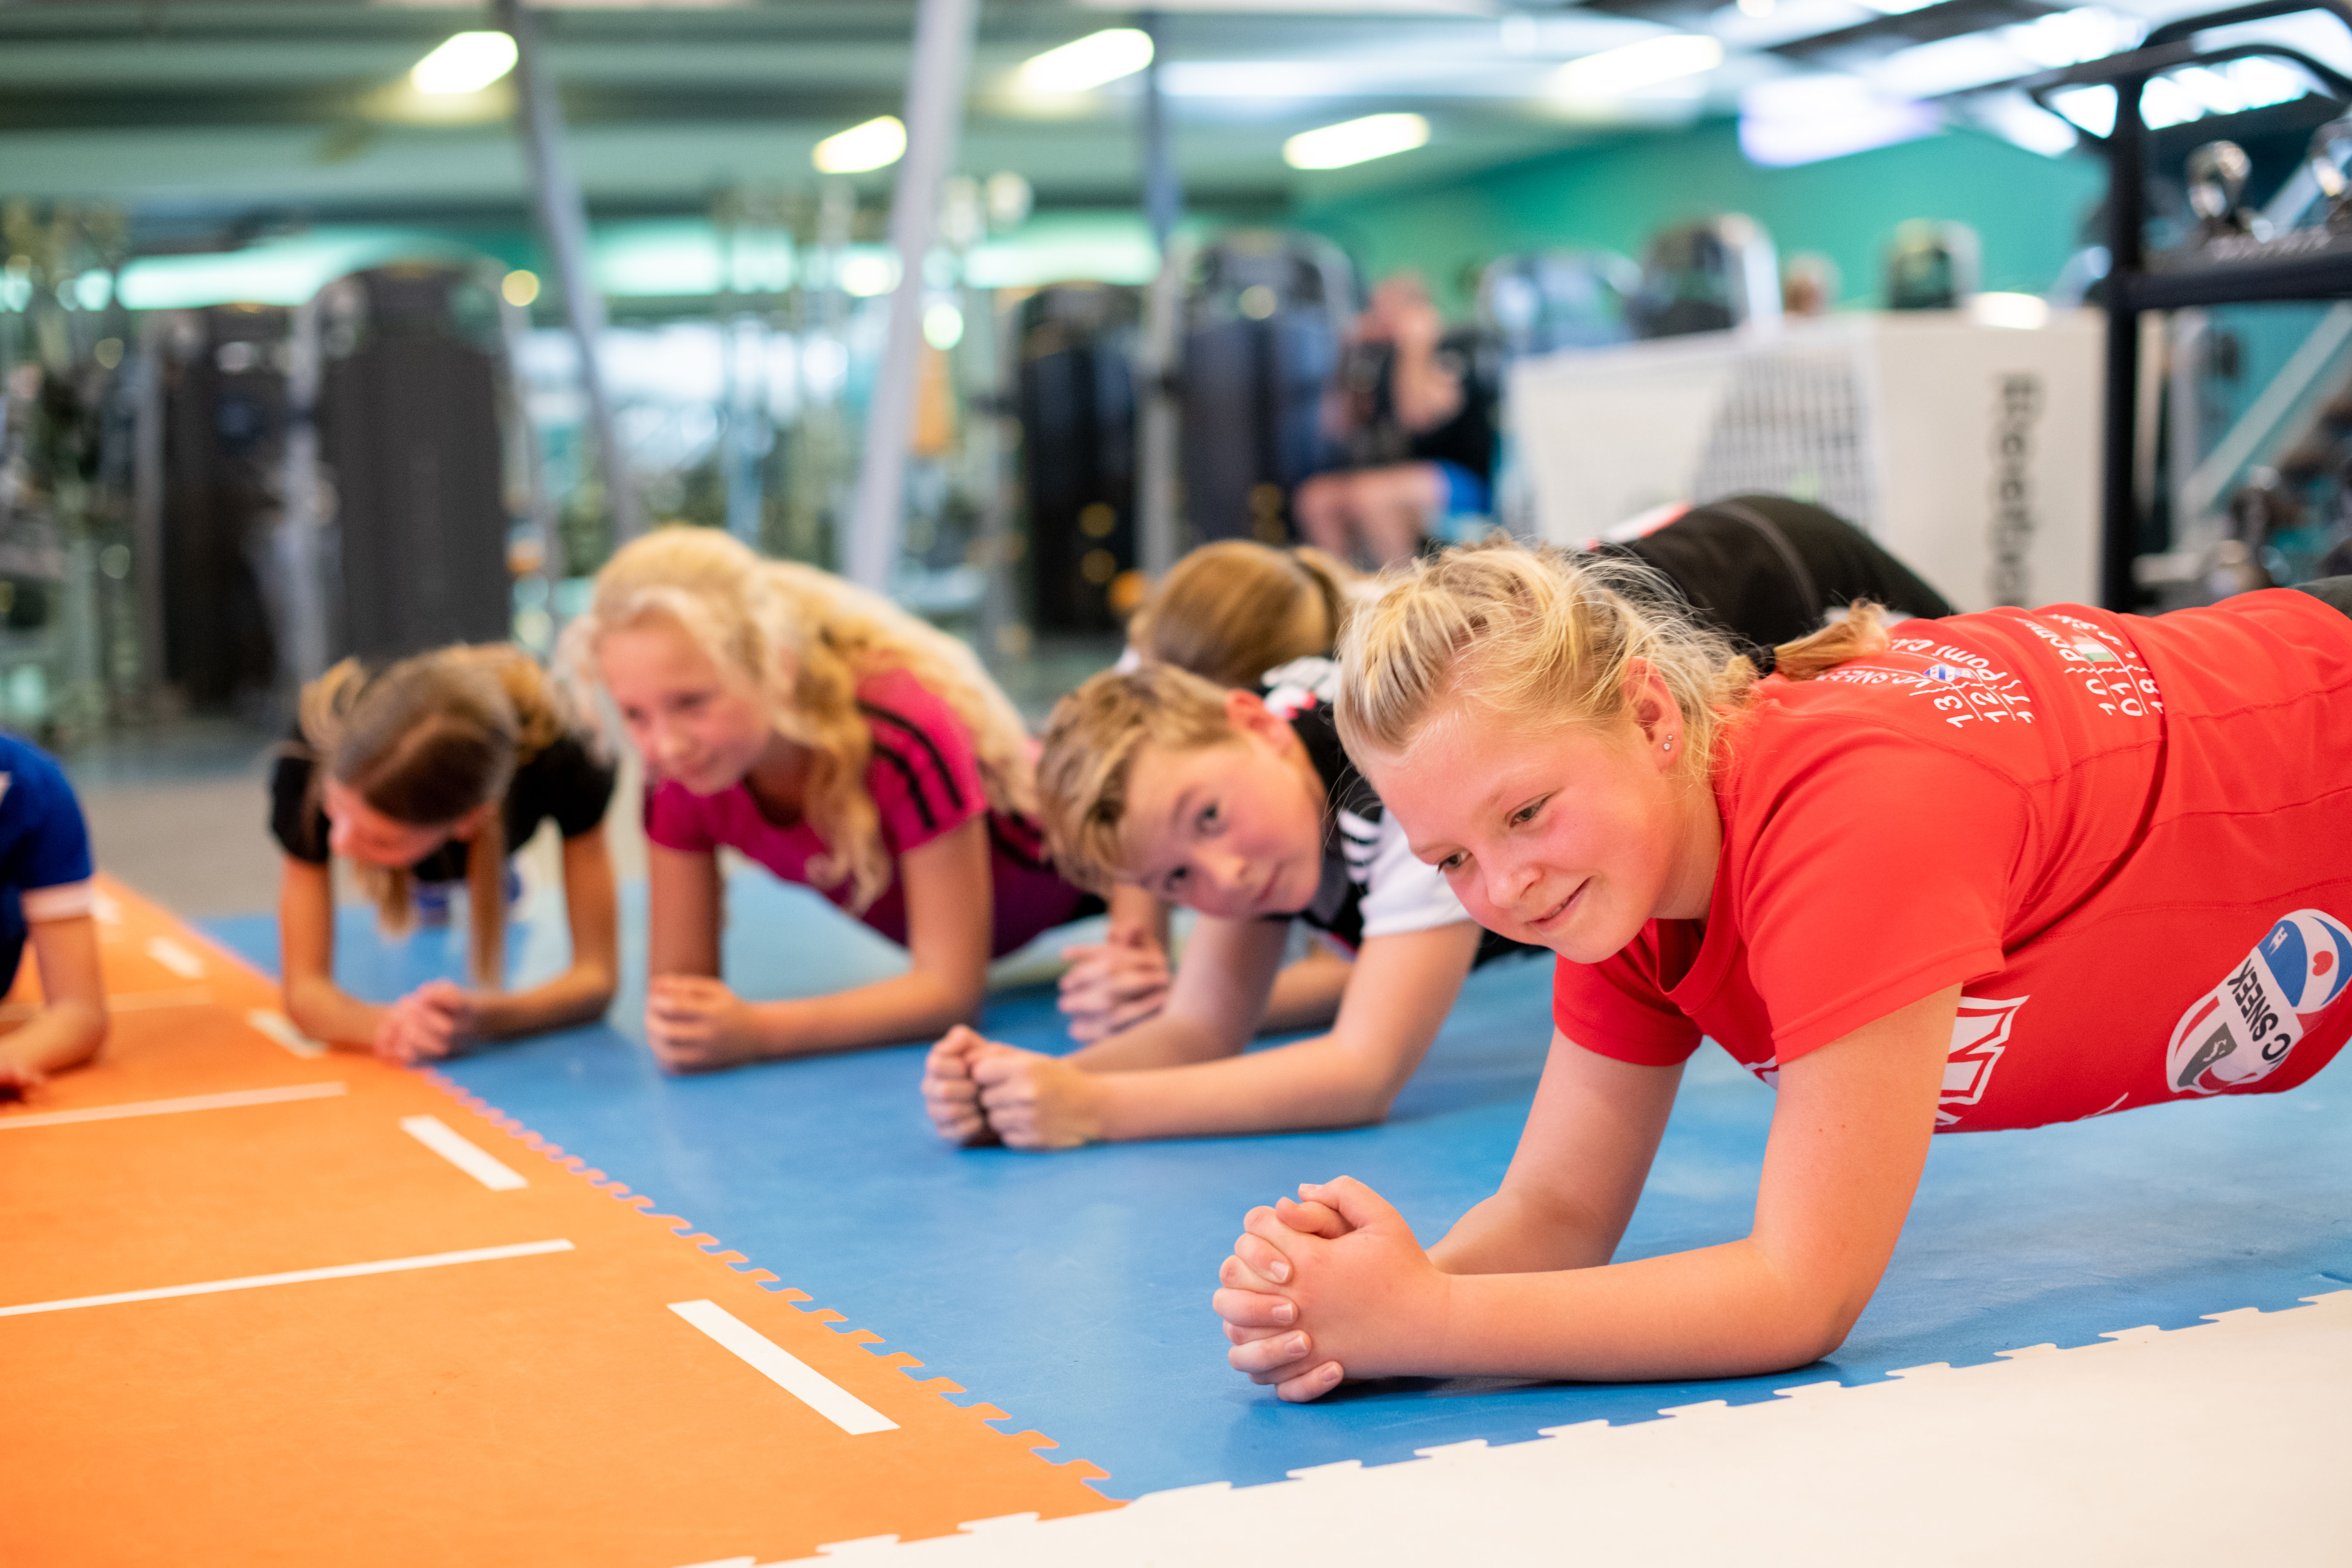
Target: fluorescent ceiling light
{"x": 1806, "y": 119}
{"x": 2021, "y": 122}
{"x": 2091, "y": 108}
{"x": 1355, "y": 140}
{"x": 877, "y": 144}
{"x": 1950, "y": 64}
{"x": 1086, "y": 63}
{"x": 1632, "y": 66}
{"x": 466, "y": 62}
{"x": 2182, "y": 96}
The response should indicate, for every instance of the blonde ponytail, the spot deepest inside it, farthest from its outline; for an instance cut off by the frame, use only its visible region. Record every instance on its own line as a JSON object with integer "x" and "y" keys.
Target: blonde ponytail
{"x": 1233, "y": 610}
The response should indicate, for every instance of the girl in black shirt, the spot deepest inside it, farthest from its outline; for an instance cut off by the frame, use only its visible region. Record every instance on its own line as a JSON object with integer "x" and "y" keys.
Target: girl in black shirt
{"x": 423, "y": 776}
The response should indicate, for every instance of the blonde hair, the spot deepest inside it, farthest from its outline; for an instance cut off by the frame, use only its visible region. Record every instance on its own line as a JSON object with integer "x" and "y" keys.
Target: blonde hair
{"x": 1091, "y": 742}
{"x": 1535, "y": 635}
{"x": 806, "y": 638}
{"x": 423, "y": 742}
{"x": 1233, "y": 610}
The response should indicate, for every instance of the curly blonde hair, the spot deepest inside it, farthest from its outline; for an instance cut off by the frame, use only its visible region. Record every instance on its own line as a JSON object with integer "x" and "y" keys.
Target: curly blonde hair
{"x": 1537, "y": 636}
{"x": 806, "y": 638}
{"x": 1233, "y": 610}
{"x": 424, "y": 741}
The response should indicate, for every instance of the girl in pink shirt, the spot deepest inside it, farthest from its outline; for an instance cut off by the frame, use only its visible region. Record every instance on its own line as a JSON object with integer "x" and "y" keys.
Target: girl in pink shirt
{"x": 840, "y": 742}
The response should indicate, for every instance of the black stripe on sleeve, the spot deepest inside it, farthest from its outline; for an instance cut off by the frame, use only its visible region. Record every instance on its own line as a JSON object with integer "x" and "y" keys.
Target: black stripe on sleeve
{"x": 947, "y": 775}
{"x": 914, "y": 788}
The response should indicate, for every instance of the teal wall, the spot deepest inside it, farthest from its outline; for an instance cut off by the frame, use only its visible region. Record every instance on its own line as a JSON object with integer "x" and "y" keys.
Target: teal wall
{"x": 2027, "y": 209}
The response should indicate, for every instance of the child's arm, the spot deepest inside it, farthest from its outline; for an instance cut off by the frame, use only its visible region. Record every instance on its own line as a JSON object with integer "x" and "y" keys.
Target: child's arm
{"x": 71, "y": 1024}
{"x": 1212, "y": 1010}
{"x": 1849, "y": 1136}
{"x": 684, "y": 906}
{"x": 1398, "y": 997}
{"x": 306, "y": 948}
{"x": 583, "y": 991}
{"x": 1307, "y": 995}
{"x": 699, "y": 1023}
{"x": 1122, "y": 980}
{"x": 1214, "y": 1003}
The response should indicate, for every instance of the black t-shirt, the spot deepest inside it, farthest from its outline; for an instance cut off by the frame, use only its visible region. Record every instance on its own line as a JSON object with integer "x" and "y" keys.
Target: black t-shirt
{"x": 565, "y": 783}
{"x": 1376, "y": 438}
{"x": 1766, "y": 567}
{"x": 1372, "y": 886}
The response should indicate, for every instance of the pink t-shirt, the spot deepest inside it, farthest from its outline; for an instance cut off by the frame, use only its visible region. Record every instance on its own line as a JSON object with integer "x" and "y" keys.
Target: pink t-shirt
{"x": 925, "y": 781}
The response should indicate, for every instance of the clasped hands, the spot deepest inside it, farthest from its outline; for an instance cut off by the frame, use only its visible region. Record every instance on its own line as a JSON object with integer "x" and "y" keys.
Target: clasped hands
{"x": 1330, "y": 1287}
{"x": 431, "y": 1023}
{"x": 1113, "y": 984}
{"x": 979, "y": 1092}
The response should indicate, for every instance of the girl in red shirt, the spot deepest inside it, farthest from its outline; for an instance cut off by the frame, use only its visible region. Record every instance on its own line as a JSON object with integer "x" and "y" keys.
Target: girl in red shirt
{"x": 1987, "y": 871}
{"x": 840, "y": 742}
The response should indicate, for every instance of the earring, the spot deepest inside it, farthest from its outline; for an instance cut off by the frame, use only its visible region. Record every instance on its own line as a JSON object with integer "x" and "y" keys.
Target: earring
{"x": 1669, "y": 745}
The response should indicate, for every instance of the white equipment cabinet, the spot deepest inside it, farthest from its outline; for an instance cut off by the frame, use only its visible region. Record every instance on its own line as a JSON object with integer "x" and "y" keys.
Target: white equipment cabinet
{"x": 1971, "y": 451}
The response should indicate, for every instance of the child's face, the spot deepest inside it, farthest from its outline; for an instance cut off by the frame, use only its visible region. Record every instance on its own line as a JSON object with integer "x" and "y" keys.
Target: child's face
{"x": 1570, "y": 840}
{"x": 693, "y": 721}
{"x": 357, "y": 831}
{"x": 1234, "y": 830}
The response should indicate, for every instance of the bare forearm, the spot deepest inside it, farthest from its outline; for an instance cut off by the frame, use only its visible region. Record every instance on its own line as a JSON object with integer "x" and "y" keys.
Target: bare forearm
{"x": 1169, "y": 1040}
{"x": 323, "y": 1011}
{"x": 579, "y": 996}
{"x": 1307, "y": 995}
{"x": 1314, "y": 1083}
{"x": 65, "y": 1034}
{"x": 1508, "y": 1235}
{"x": 1722, "y": 1311}
{"x": 914, "y": 1006}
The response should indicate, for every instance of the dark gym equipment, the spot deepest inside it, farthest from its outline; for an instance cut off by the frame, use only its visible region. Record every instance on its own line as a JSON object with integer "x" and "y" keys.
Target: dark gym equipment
{"x": 1707, "y": 277}
{"x": 1076, "y": 391}
{"x": 224, "y": 416}
{"x": 408, "y": 422}
{"x": 1547, "y": 299}
{"x": 1931, "y": 266}
{"x": 2216, "y": 273}
{"x": 1263, "y": 317}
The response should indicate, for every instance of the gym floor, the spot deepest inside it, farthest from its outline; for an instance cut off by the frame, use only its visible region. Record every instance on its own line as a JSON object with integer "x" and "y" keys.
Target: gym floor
{"x": 2036, "y": 1375}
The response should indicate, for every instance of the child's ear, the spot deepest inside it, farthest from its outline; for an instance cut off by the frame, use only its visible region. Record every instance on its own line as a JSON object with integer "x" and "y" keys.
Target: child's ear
{"x": 1650, "y": 702}
{"x": 1247, "y": 712}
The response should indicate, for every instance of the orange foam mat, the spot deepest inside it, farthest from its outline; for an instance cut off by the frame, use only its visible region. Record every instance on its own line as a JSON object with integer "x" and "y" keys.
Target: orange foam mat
{"x": 533, "y": 1399}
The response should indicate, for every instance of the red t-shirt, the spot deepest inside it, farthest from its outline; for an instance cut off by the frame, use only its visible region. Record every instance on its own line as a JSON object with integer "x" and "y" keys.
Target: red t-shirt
{"x": 924, "y": 778}
{"x": 2129, "y": 840}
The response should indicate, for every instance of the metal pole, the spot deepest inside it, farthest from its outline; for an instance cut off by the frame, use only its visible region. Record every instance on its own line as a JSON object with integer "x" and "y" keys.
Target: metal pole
{"x": 1155, "y": 362}
{"x": 1163, "y": 192}
{"x": 563, "y": 219}
{"x": 2126, "y": 224}
{"x": 943, "y": 31}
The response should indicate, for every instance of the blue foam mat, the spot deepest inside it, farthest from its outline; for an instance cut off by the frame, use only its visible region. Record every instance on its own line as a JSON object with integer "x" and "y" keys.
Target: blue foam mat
{"x": 1072, "y": 1289}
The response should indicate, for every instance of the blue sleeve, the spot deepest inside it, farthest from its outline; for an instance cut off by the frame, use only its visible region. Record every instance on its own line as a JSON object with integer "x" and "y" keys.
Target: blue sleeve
{"x": 44, "y": 842}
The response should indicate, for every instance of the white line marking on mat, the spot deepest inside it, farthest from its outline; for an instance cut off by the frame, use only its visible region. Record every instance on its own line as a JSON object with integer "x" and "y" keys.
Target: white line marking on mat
{"x": 297, "y": 1277}
{"x": 174, "y": 957}
{"x": 227, "y": 1102}
{"x": 444, "y": 1140}
{"x": 127, "y": 1002}
{"x": 280, "y": 1027}
{"x": 785, "y": 1370}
